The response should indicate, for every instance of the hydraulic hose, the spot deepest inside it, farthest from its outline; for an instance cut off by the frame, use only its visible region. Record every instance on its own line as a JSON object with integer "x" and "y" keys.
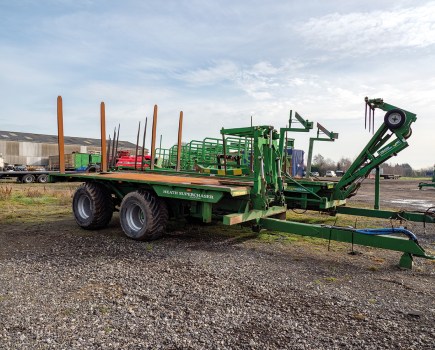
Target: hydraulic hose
{"x": 389, "y": 231}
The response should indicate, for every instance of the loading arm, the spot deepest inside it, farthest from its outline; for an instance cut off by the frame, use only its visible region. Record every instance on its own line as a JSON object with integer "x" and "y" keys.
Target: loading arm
{"x": 397, "y": 127}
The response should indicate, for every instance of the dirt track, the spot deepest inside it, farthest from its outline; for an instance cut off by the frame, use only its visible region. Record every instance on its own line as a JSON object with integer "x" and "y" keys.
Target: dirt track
{"x": 201, "y": 287}
{"x": 397, "y": 194}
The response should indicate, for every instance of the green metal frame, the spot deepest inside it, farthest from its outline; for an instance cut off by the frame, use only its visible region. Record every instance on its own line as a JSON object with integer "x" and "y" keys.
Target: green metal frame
{"x": 321, "y": 133}
{"x": 325, "y": 196}
{"x": 340, "y": 234}
{"x": 428, "y": 184}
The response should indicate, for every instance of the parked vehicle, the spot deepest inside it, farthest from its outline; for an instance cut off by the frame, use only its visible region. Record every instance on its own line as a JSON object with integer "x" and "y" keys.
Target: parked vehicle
{"x": 74, "y": 162}
{"x": 314, "y": 174}
{"x": 25, "y": 176}
{"x": 330, "y": 173}
{"x": 20, "y": 168}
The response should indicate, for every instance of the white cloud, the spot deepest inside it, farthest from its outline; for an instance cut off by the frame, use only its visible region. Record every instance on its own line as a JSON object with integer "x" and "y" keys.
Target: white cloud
{"x": 216, "y": 73}
{"x": 364, "y": 32}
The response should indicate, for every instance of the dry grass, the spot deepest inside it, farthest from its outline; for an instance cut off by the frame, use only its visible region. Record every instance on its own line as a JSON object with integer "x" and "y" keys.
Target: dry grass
{"x": 5, "y": 193}
{"x": 34, "y": 202}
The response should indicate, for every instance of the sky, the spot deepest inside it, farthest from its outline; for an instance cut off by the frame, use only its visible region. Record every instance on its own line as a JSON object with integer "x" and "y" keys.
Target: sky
{"x": 220, "y": 62}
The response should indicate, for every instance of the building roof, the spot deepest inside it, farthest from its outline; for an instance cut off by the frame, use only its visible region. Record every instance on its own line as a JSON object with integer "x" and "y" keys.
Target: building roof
{"x": 69, "y": 140}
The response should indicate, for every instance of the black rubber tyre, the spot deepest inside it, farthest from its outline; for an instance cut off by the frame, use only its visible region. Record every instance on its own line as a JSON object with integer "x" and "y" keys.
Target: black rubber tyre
{"x": 92, "y": 206}
{"x": 43, "y": 178}
{"x": 143, "y": 217}
{"x": 28, "y": 179}
{"x": 394, "y": 119}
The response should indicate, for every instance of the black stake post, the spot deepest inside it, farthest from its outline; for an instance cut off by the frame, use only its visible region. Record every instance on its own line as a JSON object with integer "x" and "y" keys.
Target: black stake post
{"x": 225, "y": 154}
{"x": 373, "y": 122}
{"x": 112, "y": 160}
{"x": 108, "y": 153}
{"x": 116, "y": 147}
{"x": 143, "y": 143}
{"x": 365, "y": 119}
{"x": 137, "y": 147}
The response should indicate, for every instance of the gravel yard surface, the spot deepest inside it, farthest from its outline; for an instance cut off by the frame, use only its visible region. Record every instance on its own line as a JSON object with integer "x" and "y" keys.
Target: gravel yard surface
{"x": 66, "y": 288}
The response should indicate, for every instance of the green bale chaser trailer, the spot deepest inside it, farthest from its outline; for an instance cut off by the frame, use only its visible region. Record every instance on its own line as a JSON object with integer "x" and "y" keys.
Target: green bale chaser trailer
{"x": 146, "y": 200}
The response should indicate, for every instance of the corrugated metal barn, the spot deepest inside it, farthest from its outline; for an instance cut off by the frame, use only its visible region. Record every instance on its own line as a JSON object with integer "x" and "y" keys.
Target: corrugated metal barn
{"x": 34, "y": 149}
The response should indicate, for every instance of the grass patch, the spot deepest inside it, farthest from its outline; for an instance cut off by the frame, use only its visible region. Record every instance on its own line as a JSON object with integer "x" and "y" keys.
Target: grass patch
{"x": 34, "y": 202}
{"x": 330, "y": 279}
{"x": 313, "y": 217}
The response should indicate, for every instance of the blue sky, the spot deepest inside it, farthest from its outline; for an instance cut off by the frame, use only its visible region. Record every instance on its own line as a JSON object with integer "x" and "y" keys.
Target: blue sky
{"x": 220, "y": 62}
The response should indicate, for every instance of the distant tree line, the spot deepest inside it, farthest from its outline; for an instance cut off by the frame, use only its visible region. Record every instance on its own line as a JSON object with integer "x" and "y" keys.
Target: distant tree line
{"x": 321, "y": 164}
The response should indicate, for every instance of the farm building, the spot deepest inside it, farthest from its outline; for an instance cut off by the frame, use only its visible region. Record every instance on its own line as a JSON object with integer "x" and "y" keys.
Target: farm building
{"x": 35, "y": 149}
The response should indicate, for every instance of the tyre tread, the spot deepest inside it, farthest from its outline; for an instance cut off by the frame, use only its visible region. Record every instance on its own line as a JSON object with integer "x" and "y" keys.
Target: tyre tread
{"x": 102, "y": 203}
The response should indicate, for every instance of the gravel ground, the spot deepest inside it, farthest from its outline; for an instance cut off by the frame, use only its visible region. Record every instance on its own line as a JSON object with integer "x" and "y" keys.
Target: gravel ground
{"x": 65, "y": 288}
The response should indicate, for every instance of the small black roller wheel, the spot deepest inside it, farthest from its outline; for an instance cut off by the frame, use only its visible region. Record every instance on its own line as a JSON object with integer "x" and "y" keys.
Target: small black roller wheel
{"x": 408, "y": 134}
{"x": 143, "y": 216}
{"x": 28, "y": 179}
{"x": 92, "y": 206}
{"x": 43, "y": 178}
{"x": 394, "y": 119}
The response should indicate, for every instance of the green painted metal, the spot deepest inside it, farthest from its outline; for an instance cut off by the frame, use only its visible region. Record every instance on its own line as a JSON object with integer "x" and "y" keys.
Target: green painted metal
{"x": 299, "y": 125}
{"x": 267, "y": 188}
{"x": 249, "y": 215}
{"x": 318, "y": 195}
{"x": 376, "y": 152}
{"x": 321, "y": 132}
{"x": 334, "y": 233}
{"x": 428, "y": 184}
{"x": 406, "y": 261}
{"x": 188, "y": 193}
{"x": 377, "y": 188}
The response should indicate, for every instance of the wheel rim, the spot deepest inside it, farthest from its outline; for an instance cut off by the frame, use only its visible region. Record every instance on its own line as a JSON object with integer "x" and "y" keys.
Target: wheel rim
{"x": 84, "y": 207}
{"x": 135, "y": 217}
{"x": 395, "y": 119}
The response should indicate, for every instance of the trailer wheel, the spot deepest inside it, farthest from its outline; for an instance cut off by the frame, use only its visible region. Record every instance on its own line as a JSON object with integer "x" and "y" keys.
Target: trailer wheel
{"x": 143, "y": 216}
{"x": 27, "y": 179}
{"x": 408, "y": 134}
{"x": 43, "y": 178}
{"x": 92, "y": 206}
{"x": 394, "y": 119}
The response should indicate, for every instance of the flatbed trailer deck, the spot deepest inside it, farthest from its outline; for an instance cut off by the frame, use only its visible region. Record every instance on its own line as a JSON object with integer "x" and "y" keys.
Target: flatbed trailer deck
{"x": 26, "y": 176}
{"x": 233, "y": 187}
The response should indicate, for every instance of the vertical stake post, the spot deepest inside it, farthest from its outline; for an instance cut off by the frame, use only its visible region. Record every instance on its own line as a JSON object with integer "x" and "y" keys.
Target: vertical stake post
{"x": 103, "y": 137}
{"x": 252, "y": 152}
{"x": 137, "y": 147}
{"x": 108, "y": 152}
{"x": 225, "y": 154}
{"x": 116, "y": 146}
{"x": 143, "y": 143}
{"x": 112, "y": 161}
{"x": 377, "y": 188}
{"x": 60, "y": 135}
{"x": 180, "y": 132}
{"x": 153, "y": 138}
